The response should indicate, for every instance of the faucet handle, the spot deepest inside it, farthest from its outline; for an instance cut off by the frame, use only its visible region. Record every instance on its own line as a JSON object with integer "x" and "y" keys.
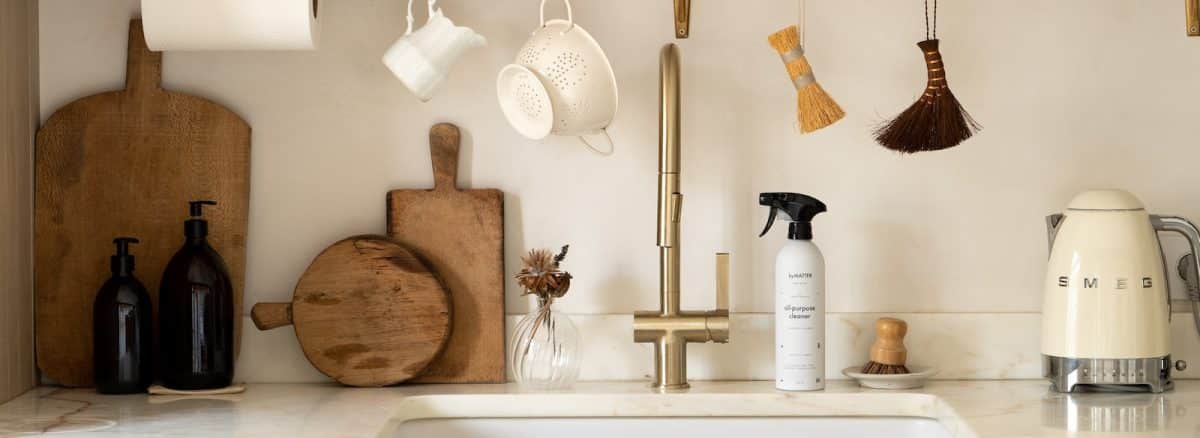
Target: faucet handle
{"x": 722, "y": 281}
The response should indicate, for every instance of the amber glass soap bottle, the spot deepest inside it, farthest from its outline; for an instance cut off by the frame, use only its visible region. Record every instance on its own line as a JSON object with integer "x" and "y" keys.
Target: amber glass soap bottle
{"x": 196, "y": 312}
{"x": 122, "y": 326}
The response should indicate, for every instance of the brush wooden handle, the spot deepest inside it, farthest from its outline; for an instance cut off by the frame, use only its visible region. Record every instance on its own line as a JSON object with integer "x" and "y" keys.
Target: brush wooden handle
{"x": 888, "y": 348}
{"x": 933, "y": 63}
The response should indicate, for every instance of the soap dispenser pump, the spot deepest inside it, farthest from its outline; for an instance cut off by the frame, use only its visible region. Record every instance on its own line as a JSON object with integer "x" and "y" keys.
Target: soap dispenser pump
{"x": 799, "y": 295}
{"x": 122, "y": 326}
{"x": 196, "y": 313}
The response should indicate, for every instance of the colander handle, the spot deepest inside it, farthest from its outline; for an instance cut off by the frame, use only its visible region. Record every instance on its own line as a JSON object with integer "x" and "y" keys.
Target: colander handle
{"x": 570, "y": 17}
{"x": 409, "y": 18}
{"x": 607, "y": 138}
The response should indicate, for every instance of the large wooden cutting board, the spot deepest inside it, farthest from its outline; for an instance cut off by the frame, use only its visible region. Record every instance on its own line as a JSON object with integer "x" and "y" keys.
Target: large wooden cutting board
{"x": 461, "y": 234}
{"x": 125, "y": 163}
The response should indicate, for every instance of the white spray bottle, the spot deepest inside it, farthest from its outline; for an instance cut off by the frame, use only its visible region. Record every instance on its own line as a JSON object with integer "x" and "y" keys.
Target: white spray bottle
{"x": 799, "y": 295}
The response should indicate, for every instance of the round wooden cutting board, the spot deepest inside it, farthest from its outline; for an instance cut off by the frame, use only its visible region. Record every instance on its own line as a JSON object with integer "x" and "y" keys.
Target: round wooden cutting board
{"x": 367, "y": 312}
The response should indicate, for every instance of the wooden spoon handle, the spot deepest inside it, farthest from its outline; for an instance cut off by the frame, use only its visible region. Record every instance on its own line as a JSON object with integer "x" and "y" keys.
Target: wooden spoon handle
{"x": 888, "y": 348}
{"x": 267, "y": 316}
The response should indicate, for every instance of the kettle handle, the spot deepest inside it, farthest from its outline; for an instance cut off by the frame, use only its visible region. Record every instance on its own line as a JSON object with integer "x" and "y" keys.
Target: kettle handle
{"x": 1188, "y": 230}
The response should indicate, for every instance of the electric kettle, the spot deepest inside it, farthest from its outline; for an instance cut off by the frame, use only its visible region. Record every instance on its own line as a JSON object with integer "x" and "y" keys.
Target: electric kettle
{"x": 1106, "y": 308}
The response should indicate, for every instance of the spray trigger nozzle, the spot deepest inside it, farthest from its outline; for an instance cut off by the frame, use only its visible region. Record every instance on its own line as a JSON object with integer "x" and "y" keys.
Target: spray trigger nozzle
{"x": 770, "y": 221}
{"x": 799, "y": 208}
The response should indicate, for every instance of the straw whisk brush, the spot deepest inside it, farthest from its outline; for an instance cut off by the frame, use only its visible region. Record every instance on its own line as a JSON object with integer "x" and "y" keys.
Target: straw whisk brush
{"x": 888, "y": 353}
{"x": 814, "y": 108}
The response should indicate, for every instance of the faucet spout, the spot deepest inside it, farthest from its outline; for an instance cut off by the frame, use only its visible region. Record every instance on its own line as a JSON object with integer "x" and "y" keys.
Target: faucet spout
{"x": 669, "y": 328}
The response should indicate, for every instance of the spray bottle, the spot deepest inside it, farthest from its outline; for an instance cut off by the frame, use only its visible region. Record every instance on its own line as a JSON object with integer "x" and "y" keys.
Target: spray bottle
{"x": 799, "y": 295}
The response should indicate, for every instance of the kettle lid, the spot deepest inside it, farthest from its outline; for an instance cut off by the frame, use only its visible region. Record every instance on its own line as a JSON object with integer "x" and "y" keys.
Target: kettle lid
{"x": 1108, "y": 199}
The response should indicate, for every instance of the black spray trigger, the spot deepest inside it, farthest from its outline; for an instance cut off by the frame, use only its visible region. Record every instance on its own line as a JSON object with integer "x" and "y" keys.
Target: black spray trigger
{"x": 770, "y": 221}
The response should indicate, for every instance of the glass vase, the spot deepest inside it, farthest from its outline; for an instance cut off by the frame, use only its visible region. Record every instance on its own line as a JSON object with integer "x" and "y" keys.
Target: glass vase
{"x": 545, "y": 349}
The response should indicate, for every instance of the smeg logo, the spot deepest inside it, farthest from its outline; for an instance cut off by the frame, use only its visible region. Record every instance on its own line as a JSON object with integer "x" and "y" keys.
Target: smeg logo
{"x": 1094, "y": 282}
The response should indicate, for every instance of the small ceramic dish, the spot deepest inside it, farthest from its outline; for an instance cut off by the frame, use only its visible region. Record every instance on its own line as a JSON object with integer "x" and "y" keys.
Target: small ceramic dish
{"x": 915, "y": 379}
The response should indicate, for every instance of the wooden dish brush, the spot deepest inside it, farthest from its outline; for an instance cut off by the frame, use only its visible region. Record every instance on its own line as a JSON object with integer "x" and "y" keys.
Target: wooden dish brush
{"x": 888, "y": 353}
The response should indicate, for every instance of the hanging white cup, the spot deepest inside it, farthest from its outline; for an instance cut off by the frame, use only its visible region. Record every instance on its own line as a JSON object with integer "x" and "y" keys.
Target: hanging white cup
{"x": 421, "y": 59}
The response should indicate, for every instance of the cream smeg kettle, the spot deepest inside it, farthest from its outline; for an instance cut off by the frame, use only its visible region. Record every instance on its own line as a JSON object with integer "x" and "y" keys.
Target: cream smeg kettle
{"x": 1106, "y": 308}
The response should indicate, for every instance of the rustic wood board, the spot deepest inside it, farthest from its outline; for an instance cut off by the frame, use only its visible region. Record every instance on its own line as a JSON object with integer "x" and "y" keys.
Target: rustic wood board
{"x": 125, "y": 163}
{"x": 367, "y": 312}
{"x": 461, "y": 234}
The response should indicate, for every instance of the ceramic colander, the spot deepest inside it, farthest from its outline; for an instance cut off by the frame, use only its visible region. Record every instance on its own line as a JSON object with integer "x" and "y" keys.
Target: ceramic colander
{"x": 561, "y": 83}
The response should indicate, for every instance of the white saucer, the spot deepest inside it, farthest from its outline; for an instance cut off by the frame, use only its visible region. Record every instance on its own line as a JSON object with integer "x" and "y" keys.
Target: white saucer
{"x": 915, "y": 379}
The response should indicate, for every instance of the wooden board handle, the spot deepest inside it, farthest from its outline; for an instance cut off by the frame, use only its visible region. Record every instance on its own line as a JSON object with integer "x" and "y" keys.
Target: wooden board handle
{"x": 267, "y": 316}
{"x": 443, "y": 150}
{"x": 143, "y": 68}
{"x": 888, "y": 348}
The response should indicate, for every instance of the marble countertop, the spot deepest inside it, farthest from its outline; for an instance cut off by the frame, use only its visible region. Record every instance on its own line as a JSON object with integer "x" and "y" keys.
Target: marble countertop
{"x": 1023, "y": 408}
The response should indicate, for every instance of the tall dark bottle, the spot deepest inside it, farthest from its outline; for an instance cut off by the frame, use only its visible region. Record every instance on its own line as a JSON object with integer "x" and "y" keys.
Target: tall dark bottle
{"x": 195, "y": 312}
{"x": 122, "y": 326}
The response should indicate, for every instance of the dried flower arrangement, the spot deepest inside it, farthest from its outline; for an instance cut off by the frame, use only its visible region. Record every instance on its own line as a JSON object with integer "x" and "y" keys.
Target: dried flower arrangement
{"x": 545, "y": 350}
{"x": 541, "y": 275}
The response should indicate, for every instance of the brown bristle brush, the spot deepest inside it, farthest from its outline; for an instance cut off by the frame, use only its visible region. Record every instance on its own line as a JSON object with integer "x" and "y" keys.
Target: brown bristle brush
{"x": 888, "y": 353}
{"x": 937, "y": 120}
{"x": 814, "y": 108}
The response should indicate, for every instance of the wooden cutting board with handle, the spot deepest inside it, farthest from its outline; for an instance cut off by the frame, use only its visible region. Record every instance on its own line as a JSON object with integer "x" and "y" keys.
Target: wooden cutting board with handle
{"x": 367, "y": 312}
{"x": 126, "y": 163}
{"x": 461, "y": 234}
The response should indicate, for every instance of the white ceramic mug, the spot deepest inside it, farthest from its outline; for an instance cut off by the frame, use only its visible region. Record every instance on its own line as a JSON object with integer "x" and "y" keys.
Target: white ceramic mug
{"x": 422, "y": 59}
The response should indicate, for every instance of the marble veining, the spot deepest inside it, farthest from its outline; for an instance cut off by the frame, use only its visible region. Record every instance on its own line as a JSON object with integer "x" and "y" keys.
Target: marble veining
{"x": 965, "y": 408}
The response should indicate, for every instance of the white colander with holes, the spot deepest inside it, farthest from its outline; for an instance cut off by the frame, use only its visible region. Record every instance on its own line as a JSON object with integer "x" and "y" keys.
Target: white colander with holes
{"x": 561, "y": 84}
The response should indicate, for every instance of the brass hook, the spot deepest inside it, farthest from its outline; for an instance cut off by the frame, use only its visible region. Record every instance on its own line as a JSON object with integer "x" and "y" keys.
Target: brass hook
{"x": 1193, "y": 17}
{"x": 683, "y": 18}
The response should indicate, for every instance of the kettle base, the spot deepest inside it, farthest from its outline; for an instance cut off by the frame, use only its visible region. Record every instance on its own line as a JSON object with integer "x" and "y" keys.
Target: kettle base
{"x": 1074, "y": 374}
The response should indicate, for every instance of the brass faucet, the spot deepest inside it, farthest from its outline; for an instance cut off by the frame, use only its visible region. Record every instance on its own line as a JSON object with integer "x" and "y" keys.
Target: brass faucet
{"x": 670, "y": 329}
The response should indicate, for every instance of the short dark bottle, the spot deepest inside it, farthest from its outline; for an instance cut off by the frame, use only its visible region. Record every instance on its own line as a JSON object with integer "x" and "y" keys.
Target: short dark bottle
{"x": 195, "y": 313}
{"x": 122, "y": 326}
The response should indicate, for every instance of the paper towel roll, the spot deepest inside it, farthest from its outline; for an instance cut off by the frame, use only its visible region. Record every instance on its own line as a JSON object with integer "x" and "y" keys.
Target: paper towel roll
{"x": 231, "y": 24}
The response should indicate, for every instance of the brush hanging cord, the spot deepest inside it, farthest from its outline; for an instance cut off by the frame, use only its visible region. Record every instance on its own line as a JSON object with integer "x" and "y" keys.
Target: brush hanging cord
{"x": 933, "y": 35}
{"x": 806, "y": 79}
{"x": 933, "y": 58}
{"x": 937, "y": 120}
{"x": 800, "y": 24}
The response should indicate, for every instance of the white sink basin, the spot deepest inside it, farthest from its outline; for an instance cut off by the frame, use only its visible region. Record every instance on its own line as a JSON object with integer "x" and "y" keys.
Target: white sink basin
{"x": 692, "y": 427}
{"x": 694, "y": 415}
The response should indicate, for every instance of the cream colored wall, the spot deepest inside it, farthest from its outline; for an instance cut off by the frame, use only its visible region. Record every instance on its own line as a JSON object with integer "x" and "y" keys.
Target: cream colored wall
{"x": 18, "y": 119}
{"x": 1073, "y": 94}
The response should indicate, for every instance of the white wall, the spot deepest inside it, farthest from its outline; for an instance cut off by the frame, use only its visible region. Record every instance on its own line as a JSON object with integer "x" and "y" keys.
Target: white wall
{"x": 1073, "y": 94}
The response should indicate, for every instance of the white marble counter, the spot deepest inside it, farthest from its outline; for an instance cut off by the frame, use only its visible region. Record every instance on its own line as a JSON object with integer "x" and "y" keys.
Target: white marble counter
{"x": 966, "y": 408}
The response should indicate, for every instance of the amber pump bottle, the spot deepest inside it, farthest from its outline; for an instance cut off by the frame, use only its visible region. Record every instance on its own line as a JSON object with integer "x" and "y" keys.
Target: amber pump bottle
{"x": 122, "y": 326}
{"x": 196, "y": 312}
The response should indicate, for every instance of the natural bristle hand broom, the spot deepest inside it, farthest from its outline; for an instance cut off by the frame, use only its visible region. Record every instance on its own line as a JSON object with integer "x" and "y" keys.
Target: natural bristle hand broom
{"x": 814, "y": 107}
{"x": 937, "y": 120}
